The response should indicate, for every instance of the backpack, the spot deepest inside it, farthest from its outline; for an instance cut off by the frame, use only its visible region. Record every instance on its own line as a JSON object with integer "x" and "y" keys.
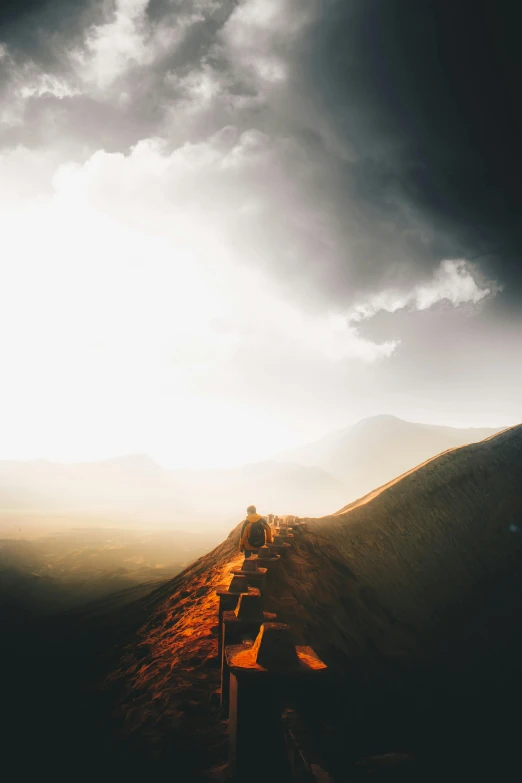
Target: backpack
{"x": 256, "y": 534}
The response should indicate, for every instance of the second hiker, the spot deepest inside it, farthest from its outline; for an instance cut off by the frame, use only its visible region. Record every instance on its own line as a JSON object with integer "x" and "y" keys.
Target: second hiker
{"x": 255, "y": 532}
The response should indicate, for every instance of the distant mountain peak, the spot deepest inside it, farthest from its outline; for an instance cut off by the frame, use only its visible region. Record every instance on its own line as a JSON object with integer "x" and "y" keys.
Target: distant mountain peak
{"x": 382, "y": 418}
{"x": 379, "y": 448}
{"x": 136, "y": 461}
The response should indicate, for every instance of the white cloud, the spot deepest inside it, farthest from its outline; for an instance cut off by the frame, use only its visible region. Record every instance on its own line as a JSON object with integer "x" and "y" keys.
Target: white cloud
{"x": 107, "y": 55}
{"x": 233, "y": 70}
{"x": 147, "y": 258}
{"x": 247, "y": 60}
{"x": 26, "y": 80}
{"x": 198, "y": 88}
{"x": 147, "y": 273}
{"x": 258, "y": 34}
{"x": 128, "y": 286}
{"x": 110, "y": 48}
{"x": 140, "y": 282}
{"x": 46, "y": 84}
{"x": 344, "y": 341}
{"x": 168, "y": 197}
{"x": 453, "y": 282}
{"x": 125, "y": 40}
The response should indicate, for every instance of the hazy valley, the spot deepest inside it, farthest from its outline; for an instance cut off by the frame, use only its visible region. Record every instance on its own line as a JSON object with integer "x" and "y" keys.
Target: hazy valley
{"x": 47, "y": 574}
{"x": 74, "y": 533}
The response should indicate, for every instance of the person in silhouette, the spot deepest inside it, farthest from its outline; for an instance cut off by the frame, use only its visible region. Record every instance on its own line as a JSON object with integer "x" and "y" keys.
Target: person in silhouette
{"x": 255, "y": 532}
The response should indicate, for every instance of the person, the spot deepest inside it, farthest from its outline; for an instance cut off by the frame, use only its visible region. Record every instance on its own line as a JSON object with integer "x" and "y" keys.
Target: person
{"x": 255, "y": 532}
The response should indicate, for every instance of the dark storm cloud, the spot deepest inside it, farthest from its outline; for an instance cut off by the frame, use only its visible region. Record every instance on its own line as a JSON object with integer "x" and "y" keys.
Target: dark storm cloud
{"x": 42, "y": 36}
{"x": 426, "y": 97}
{"x": 14, "y": 12}
{"x": 344, "y": 148}
{"x": 32, "y": 27}
{"x": 403, "y": 117}
{"x": 36, "y": 36}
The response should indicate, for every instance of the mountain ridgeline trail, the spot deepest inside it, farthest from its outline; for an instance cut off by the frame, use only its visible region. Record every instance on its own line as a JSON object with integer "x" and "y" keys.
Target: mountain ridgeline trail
{"x": 411, "y": 596}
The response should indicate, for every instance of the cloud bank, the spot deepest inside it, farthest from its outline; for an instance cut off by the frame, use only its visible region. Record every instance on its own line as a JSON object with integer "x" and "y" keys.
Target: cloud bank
{"x": 198, "y": 194}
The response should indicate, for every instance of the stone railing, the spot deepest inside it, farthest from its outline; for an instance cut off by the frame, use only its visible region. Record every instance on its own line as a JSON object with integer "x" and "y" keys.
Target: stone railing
{"x": 261, "y": 668}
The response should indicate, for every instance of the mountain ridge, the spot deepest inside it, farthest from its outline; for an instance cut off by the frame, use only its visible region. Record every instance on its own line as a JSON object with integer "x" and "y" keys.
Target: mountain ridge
{"x": 122, "y": 486}
{"x": 392, "y": 593}
{"x": 341, "y": 466}
{"x": 377, "y": 449}
{"x": 408, "y": 597}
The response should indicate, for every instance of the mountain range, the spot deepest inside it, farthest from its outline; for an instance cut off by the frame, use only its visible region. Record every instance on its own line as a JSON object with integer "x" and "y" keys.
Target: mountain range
{"x": 310, "y": 480}
{"x": 408, "y": 594}
{"x": 136, "y": 489}
{"x": 375, "y": 450}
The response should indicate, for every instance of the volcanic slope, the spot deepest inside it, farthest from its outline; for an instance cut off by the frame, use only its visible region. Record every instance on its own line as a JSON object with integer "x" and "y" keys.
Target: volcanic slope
{"x": 412, "y": 595}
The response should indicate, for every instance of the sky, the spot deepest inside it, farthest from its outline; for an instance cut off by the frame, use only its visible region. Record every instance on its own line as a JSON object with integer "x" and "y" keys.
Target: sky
{"x": 231, "y": 227}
